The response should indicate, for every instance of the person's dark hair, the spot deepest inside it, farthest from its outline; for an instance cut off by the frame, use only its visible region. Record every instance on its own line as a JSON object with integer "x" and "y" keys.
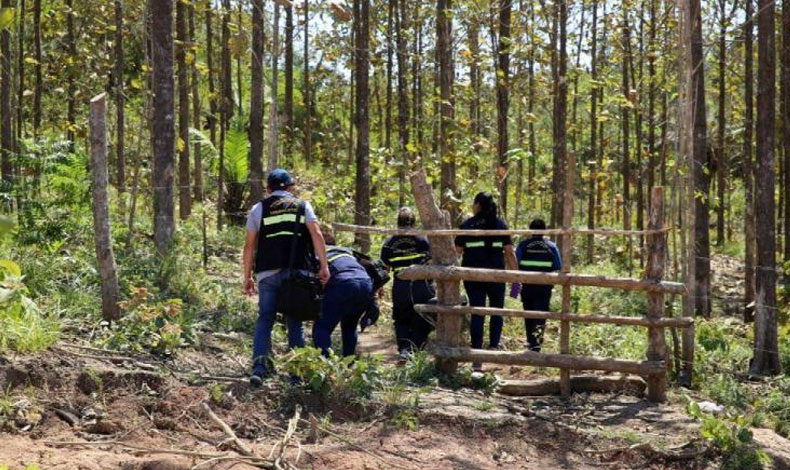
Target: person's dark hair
{"x": 537, "y": 224}
{"x": 488, "y": 208}
{"x": 406, "y": 218}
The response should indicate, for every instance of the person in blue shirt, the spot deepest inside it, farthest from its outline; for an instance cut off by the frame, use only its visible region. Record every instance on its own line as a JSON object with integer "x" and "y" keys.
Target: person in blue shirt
{"x": 347, "y": 297}
{"x": 536, "y": 254}
{"x": 490, "y": 253}
{"x": 398, "y": 253}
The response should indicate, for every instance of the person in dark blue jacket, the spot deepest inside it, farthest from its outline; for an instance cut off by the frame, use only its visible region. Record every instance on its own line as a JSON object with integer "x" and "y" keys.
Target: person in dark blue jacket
{"x": 398, "y": 253}
{"x": 536, "y": 254}
{"x": 485, "y": 252}
{"x": 347, "y": 296}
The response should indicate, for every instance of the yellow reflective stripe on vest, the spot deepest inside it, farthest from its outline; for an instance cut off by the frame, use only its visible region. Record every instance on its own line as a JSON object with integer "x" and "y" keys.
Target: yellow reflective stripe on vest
{"x": 406, "y": 258}
{"x": 536, "y": 264}
{"x": 339, "y": 256}
{"x": 475, "y": 244}
{"x": 276, "y": 219}
{"x": 497, "y": 244}
{"x": 397, "y": 270}
{"x": 279, "y": 234}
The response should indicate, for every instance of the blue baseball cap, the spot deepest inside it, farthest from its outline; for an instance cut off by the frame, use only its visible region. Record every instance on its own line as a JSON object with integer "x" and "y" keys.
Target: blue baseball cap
{"x": 279, "y": 179}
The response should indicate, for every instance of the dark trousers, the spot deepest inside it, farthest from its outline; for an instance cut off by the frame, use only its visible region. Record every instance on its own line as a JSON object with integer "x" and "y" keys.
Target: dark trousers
{"x": 478, "y": 292}
{"x": 411, "y": 328}
{"x": 536, "y": 298}
{"x": 344, "y": 302}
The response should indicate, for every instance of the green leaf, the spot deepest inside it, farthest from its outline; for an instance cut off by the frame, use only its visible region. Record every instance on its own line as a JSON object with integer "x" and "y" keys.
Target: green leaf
{"x": 6, "y": 17}
{"x": 11, "y": 267}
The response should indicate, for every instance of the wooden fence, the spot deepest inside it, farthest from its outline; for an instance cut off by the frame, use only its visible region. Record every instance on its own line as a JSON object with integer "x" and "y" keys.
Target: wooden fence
{"x": 450, "y": 347}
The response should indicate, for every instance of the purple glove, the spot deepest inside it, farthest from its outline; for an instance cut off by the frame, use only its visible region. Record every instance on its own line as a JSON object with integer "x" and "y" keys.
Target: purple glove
{"x": 515, "y": 290}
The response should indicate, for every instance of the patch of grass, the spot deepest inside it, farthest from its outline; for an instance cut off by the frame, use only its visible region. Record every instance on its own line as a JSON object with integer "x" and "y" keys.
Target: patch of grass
{"x": 23, "y": 327}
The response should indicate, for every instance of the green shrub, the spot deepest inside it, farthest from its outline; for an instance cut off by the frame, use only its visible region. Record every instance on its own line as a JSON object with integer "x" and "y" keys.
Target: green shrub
{"x": 732, "y": 437}
{"x": 23, "y": 327}
{"x": 349, "y": 378}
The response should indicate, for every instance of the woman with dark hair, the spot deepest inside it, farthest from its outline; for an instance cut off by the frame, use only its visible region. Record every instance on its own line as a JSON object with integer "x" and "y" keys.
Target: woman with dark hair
{"x": 489, "y": 252}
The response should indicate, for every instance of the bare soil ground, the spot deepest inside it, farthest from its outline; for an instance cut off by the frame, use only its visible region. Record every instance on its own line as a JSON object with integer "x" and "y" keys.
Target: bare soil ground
{"x": 77, "y": 408}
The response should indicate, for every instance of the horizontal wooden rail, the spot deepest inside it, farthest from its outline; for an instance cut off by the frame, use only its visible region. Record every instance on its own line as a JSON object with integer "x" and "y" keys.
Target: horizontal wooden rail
{"x": 537, "y": 315}
{"x": 491, "y": 233}
{"x": 455, "y": 273}
{"x": 565, "y": 361}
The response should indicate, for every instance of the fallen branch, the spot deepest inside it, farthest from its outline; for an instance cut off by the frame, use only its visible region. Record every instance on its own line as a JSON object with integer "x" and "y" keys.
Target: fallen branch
{"x": 648, "y": 448}
{"x": 240, "y": 446}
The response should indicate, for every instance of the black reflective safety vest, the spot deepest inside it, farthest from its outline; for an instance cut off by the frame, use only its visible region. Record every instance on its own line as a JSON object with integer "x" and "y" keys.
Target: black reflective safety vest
{"x": 482, "y": 252}
{"x": 402, "y": 251}
{"x": 537, "y": 255}
{"x": 343, "y": 264}
{"x": 277, "y": 234}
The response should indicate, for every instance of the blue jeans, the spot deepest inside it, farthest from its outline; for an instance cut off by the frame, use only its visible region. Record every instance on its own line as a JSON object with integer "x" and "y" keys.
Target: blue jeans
{"x": 268, "y": 289}
{"x": 478, "y": 292}
{"x": 345, "y": 300}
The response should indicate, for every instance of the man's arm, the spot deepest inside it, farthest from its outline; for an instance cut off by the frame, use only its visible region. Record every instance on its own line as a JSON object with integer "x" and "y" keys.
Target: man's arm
{"x": 510, "y": 258}
{"x": 249, "y": 252}
{"x": 319, "y": 246}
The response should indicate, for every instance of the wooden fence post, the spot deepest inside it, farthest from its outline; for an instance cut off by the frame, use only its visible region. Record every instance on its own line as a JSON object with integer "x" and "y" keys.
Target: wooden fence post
{"x": 656, "y": 261}
{"x": 101, "y": 213}
{"x": 448, "y": 327}
{"x": 567, "y": 258}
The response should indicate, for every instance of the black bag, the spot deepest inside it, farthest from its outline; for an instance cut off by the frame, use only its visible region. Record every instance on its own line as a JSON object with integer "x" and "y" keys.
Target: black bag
{"x": 377, "y": 271}
{"x": 300, "y": 294}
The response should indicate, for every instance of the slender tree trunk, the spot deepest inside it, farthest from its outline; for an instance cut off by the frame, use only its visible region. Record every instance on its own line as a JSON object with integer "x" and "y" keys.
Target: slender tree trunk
{"x": 362, "y": 65}
{"x": 748, "y": 170}
{"x": 20, "y": 101}
{"x": 591, "y": 188}
{"x": 444, "y": 39}
{"x": 785, "y": 120}
{"x": 288, "y": 110}
{"x": 474, "y": 77}
{"x": 256, "y": 103}
{"x": 38, "y": 69}
{"x": 766, "y": 355}
{"x": 721, "y": 151}
{"x": 161, "y": 12}
{"x": 402, "y": 27}
{"x": 273, "y": 124}
{"x": 626, "y": 126}
{"x": 6, "y": 116}
{"x": 503, "y": 100}
{"x": 533, "y": 145}
{"x": 212, "y": 92}
{"x": 120, "y": 100}
{"x": 197, "y": 182}
{"x": 388, "y": 113}
{"x": 184, "y": 173}
{"x": 71, "y": 44}
{"x": 308, "y": 123}
{"x": 227, "y": 67}
{"x": 105, "y": 257}
{"x": 701, "y": 166}
{"x": 239, "y": 87}
{"x": 651, "y": 97}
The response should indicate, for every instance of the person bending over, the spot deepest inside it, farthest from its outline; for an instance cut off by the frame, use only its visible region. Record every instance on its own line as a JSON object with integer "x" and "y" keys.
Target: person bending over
{"x": 398, "y": 253}
{"x": 348, "y": 295}
{"x": 490, "y": 253}
{"x": 541, "y": 255}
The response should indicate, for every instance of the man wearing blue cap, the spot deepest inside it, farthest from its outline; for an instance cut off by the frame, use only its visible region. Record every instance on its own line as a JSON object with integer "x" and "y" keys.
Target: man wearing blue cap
{"x": 270, "y": 234}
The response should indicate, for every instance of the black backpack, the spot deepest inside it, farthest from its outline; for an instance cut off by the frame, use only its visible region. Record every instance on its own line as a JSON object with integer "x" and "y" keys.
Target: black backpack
{"x": 376, "y": 269}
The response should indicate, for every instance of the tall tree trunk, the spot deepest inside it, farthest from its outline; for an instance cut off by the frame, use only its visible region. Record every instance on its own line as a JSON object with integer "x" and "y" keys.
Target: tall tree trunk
{"x": 651, "y": 97}
{"x": 591, "y": 187}
{"x": 533, "y": 145}
{"x": 273, "y": 124}
{"x": 227, "y": 67}
{"x": 402, "y": 26}
{"x": 748, "y": 170}
{"x": 38, "y": 68}
{"x": 212, "y": 92}
{"x": 388, "y": 116}
{"x": 120, "y": 100}
{"x": 71, "y": 44}
{"x": 256, "y": 103}
{"x": 20, "y": 70}
{"x": 163, "y": 137}
{"x": 361, "y": 68}
{"x": 626, "y": 126}
{"x": 721, "y": 151}
{"x": 766, "y": 355}
{"x": 197, "y": 182}
{"x": 184, "y": 173}
{"x": 785, "y": 120}
{"x": 474, "y": 77}
{"x": 288, "y": 111}
{"x": 239, "y": 84}
{"x": 503, "y": 100}
{"x": 6, "y": 116}
{"x": 105, "y": 256}
{"x": 308, "y": 123}
{"x": 444, "y": 39}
